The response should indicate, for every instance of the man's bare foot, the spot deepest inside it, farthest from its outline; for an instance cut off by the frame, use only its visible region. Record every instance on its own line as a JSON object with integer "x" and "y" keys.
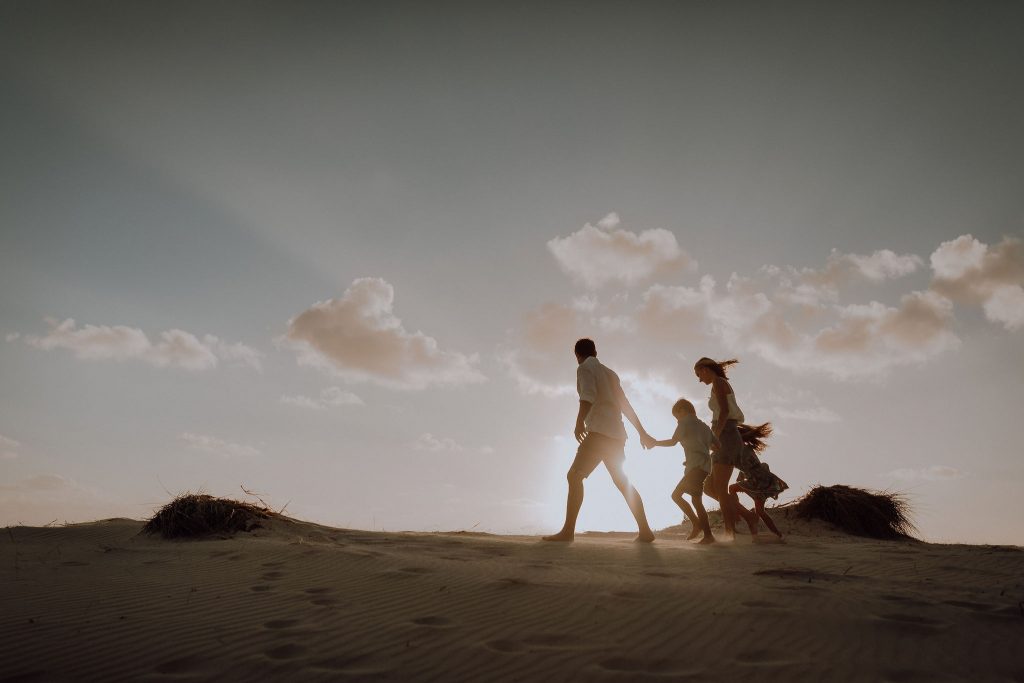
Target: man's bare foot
{"x": 644, "y": 537}
{"x": 707, "y": 540}
{"x": 563, "y": 536}
{"x": 694, "y": 533}
{"x": 727, "y": 535}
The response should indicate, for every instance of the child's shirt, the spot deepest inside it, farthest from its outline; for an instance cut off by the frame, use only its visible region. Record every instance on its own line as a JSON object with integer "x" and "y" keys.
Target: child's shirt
{"x": 696, "y": 439}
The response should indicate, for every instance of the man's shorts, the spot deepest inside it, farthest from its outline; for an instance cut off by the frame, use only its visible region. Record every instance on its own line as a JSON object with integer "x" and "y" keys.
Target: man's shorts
{"x": 597, "y": 448}
{"x": 693, "y": 481}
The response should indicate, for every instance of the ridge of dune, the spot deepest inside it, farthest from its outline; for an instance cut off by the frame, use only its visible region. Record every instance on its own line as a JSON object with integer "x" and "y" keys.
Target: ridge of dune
{"x": 297, "y": 600}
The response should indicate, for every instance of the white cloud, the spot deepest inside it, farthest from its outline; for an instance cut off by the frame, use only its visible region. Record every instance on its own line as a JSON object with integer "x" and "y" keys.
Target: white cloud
{"x": 174, "y": 348}
{"x": 331, "y": 397}
{"x": 8, "y": 448}
{"x": 216, "y": 446}
{"x": 969, "y": 271}
{"x": 933, "y": 473}
{"x": 13, "y": 336}
{"x": 598, "y": 255}
{"x": 359, "y": 338}
{"x": 434, "y": 444}
{"x": 885, "y": 264}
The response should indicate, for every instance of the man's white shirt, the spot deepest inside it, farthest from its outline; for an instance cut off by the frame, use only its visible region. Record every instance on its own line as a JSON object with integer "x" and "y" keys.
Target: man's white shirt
{"x": 600, "y": 386}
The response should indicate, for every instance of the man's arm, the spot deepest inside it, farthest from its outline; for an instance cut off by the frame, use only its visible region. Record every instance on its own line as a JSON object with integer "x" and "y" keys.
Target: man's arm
{"x": 627, "y": 409}
{"x": 581, "y": 429}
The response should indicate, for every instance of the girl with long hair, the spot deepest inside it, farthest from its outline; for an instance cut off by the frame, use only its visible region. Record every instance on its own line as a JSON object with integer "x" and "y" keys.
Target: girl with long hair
{"x": 756, "y": 479}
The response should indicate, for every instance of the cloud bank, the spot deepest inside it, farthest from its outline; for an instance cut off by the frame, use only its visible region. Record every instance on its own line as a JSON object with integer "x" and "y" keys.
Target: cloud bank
{"x": 331, "y": 397}
{"x": 793, "y": 318}
{"x": 359, "y": 338}
{"x": 174, "y": 348}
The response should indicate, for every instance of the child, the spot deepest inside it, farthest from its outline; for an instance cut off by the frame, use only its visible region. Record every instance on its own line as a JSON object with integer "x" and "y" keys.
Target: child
{"x": 697, "y": 440}
{"x": 755, "y": 479}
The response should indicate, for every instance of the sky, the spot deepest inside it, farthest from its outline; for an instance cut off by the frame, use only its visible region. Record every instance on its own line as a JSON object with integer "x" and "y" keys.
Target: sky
{"x": 337, "y": 254}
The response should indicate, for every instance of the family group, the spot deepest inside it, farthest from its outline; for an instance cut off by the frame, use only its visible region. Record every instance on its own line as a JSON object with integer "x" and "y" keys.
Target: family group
{"x": 712, "y": 452}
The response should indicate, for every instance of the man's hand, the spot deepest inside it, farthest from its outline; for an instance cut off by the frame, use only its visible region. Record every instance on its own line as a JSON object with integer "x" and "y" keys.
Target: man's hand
{"x": 647, "y": 441}
{"x": 580, "y": 432}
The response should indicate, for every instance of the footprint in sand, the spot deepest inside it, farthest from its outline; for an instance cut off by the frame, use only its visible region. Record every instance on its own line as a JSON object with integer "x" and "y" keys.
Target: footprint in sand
{"x": 289, "y": 651}
{"x": 317, "y": 591}
{"x": 271, "y": 565}
{"x": 323, "y": 602}
{"x": 905, "y": 600}
{"x": 354, "y": 665}
{"x": 912, "y": 623}
{"x": 73, "y": 563}
{"x": 966, "y": 604}
{"x": 278, "y": 624}
{"x": 416, "y": 570}
{"x": 762, "y": 657}
{"x": 432, "y": 621}
{"x": 649, "y": 667}
{"x": 513, "y": 582}
{"x": 762, "y": 604}
{"x": 273, "y": 576}
{"x": 505, "y": 646}
{"x": 181, "y": 665}
{"x": 629, "y": 595}
{"x": 660, "y": 575}
{"x": 260, "y": 588}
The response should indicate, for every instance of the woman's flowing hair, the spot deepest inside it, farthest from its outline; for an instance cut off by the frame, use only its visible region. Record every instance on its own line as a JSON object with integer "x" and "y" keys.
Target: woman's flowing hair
{"x": 717, "y": 366}
{"x": 754, "y": 436}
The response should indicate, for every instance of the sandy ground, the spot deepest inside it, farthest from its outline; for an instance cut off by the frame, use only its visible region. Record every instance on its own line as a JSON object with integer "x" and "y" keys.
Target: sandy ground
{"x": 299, "y": 601}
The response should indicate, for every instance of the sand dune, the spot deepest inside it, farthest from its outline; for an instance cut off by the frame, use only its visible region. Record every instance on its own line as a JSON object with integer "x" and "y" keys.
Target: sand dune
{"x": 299, "y": 601}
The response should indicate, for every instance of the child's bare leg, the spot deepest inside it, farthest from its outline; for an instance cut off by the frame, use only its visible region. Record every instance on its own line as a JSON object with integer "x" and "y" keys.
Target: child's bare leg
{"x": 702, "y": 515}
{"x": 763, "y": 514}
{"x": 677, "y": 498}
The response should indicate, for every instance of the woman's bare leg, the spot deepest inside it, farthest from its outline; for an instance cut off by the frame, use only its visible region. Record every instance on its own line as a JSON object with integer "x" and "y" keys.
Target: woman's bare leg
{"x": 749, "y": 516}
{"x": 722, "y": 474}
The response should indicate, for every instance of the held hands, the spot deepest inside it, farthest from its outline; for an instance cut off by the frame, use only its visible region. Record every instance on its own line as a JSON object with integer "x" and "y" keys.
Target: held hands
{"x": 647, "y": 441}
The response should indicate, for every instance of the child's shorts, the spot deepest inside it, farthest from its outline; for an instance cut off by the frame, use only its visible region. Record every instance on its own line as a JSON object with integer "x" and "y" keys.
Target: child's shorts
{"x": 693, "y": 481}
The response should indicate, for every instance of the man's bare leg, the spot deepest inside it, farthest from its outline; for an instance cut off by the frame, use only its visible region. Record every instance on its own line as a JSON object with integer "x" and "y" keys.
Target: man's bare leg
{"x": 636, "y": 505}
{"x": 573, "y": 503}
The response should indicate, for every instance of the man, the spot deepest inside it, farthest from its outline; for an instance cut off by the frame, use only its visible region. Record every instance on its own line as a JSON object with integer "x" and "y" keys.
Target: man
{"x": 602, "y": 438}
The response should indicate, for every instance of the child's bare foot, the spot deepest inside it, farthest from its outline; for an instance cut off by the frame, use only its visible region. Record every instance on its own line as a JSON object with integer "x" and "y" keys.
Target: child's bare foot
{"x": 563, "y": 536}
{"x": 644, "y": 537}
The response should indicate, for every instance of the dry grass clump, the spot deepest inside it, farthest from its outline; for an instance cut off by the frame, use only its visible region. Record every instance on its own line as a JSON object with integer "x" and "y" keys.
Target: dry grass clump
{"x": 194, "y": 515}
{"x": 858, "y": 512}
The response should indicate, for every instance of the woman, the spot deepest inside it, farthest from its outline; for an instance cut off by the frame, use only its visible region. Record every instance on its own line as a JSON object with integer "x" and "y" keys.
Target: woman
{"x": 726, "y": 417}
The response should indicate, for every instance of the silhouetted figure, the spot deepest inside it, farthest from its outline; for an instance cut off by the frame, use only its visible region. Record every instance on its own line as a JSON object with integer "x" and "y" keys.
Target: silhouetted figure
{"x": 726, "y": 417}
{"x": 756, "y": 479}
{"x": 602, "y": 438}
{"x": 697, "y": 440}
